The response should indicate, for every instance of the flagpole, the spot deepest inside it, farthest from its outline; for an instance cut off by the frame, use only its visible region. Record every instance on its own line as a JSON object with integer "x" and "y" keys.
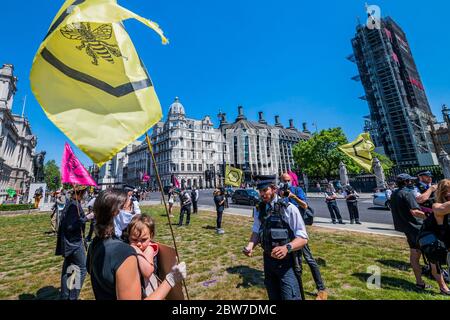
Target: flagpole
{"x": 158, "y": 178}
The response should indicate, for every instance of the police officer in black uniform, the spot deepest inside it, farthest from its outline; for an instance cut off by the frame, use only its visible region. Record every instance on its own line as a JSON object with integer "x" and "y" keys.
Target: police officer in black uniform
{"x": 424, "y": 191}
{"x": 279, "y": 228}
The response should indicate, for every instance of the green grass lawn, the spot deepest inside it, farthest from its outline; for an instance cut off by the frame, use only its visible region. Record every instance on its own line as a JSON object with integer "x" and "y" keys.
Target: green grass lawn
{"x": 216, "y": 268}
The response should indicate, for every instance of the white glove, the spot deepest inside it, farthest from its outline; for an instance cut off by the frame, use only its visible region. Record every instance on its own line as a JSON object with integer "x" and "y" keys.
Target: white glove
{"x": 90, "y": 216}
{"x": 177, "y": 274}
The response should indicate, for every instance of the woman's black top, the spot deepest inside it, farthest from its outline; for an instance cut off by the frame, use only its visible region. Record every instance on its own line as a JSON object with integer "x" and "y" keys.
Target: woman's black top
{"x": 217, "y": 200}
{"x": 105, "y": 256}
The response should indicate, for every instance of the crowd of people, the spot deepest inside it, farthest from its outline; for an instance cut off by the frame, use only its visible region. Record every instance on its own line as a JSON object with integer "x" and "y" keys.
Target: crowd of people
{"x": 420, "y": 210}
{"x": 122, "y": 257}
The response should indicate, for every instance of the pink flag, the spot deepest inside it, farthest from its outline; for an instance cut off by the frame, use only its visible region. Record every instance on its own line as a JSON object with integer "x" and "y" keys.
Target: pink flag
{"x": 146, "y": 178}
{"x": 294, "y": 178}
{"x": 72, "y": 171}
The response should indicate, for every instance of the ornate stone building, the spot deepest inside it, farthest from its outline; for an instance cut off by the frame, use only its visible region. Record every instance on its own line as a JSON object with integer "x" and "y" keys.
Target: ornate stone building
{"x": 259, "y": 148}
{"x": 114, "y": 173}
{"x": 17, "y": 143}
{"x": 188, "y": 149}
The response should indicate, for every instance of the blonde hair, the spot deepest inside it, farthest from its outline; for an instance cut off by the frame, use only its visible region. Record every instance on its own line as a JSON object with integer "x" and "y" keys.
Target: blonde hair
{"x": 442, "y": 191}
{"x": 139, "y": 223}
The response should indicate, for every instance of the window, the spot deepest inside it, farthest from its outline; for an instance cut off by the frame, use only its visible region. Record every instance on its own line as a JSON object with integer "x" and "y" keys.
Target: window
{"x": 189, "y": 167}
{"x": 182, "y": 167}
{"x": 200, "y": 168}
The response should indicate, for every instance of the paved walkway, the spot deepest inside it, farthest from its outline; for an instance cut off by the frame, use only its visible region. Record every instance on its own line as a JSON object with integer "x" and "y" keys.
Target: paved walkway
{"x": 366, "y": 227}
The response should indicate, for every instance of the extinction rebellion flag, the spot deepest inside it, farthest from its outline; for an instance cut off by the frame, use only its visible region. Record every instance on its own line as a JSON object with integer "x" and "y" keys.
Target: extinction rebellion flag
{"x": 233, "y": 176}
{"x": 360, "y": 151}
{"x": 72, "y": 171}
{"x": 90, "y": 81}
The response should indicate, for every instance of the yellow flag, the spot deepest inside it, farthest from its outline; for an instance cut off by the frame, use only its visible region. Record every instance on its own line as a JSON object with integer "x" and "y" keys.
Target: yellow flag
{"x": 233, "y": 176}
{"x": 90, "y": 81}
{"x": 360, "y": 151}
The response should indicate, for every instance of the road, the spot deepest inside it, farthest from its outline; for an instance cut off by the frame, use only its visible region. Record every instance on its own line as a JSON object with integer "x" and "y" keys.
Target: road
{"x": 367, "y": 211}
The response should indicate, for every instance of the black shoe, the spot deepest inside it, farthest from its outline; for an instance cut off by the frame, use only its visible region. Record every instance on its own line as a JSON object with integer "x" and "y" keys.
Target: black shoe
{"x": 423, "y": 286}
{"x": 341, "y": 222}
{"x": 333, "y": 222}
{"x": 357, "y": 222}
{"x": 352, "y": 222}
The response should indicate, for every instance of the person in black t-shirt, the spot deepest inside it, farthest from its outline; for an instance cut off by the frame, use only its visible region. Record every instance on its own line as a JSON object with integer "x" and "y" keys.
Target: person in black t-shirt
{"x": 219, "y": 200}
{"x": 70, "y": 245}
{"x": 113, "y": 264}
{"x": 351, "y": 197}
{"x": 408, "y": 218}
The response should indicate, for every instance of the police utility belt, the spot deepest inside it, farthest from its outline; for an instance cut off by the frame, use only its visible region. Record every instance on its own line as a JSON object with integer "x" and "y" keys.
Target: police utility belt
{"x": 274, "y": 230}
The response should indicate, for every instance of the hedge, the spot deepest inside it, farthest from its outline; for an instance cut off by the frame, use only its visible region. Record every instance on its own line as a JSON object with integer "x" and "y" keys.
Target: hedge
{"x": 16, "y": 207}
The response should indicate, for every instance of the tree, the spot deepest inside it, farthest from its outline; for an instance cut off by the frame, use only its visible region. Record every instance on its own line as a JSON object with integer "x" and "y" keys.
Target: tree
{"x": 52, "y": 175}
{"x": 320, "y": 157}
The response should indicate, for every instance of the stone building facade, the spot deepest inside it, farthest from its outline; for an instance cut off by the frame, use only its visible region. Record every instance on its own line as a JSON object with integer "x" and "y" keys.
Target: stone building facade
{"x": 258, "y": 148}
{"x": 17, "y": 143}
{"x": 190, "y": 150}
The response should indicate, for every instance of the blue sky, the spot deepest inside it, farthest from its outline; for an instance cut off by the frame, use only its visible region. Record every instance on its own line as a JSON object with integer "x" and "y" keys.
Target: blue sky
{"x": 281, "y": 57}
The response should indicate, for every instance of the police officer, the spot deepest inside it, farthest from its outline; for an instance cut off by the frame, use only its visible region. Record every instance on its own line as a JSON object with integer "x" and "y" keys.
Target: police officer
{"x": 279, "y": 228}
{"x": 297, "y": 197}
{"x": 424, "y": 191}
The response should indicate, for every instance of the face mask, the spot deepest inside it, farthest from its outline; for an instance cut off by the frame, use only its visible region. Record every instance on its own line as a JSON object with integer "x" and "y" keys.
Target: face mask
{"x": 289, "y": 184}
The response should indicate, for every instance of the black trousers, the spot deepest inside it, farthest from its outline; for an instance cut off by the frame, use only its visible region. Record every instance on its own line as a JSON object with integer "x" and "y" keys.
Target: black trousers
{"x": 334, "y": 211}
{"x": 219, "y": 218}
{"x": 194, "y": 207}
{"x": 315, "y": 270}
{"x": 91, "y": 230}
{"x": 353, "y": 210}
{"x": 187, "y": 210}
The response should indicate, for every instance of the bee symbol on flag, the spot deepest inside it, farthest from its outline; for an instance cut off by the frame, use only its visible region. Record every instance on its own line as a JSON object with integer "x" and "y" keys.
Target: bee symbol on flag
{"x": 93, "y": 41}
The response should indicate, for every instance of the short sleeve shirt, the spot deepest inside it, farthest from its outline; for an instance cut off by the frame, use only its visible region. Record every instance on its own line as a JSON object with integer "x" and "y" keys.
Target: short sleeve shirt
{"x": 294, "y": 219}
{"x": 402, "y": 201}
{"x": 104, "y": 259}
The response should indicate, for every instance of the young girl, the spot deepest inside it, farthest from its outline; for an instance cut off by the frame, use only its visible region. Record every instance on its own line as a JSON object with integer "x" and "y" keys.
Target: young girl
{"x": 141, "y": 232}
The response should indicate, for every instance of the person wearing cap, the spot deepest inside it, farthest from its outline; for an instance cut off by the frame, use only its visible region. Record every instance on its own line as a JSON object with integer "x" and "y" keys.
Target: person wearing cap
{"x": 424, "y": 191}
{"x": 278, "y": 226}
{"x": 408, "y": 218}
{"x": 70, "y": 245}
{"x": 297, "y": 197}
{"x": 185, "y": 201}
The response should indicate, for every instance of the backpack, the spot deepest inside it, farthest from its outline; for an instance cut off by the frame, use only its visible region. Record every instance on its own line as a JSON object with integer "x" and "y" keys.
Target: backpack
{"x": 308, "y": 215}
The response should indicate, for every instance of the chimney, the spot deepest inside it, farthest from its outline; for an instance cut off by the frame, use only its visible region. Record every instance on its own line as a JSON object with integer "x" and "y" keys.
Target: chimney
{"x": 241, "y": 114}
{"x": 291, "y": 124}
{"x": 223, "y": 118}
{"x": 305, "y": 129}
{"x": 277, "y": 122}
{"x": 261, "y": 118}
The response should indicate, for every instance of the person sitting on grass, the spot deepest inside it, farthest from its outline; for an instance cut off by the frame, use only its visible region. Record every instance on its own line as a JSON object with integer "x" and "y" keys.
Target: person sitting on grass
{"x": 113, "y": 264}
{"x": 141, "y": 232}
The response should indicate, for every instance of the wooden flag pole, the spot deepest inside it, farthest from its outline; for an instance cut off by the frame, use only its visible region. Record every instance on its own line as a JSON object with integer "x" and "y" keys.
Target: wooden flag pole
{"x": 155, "y": 167}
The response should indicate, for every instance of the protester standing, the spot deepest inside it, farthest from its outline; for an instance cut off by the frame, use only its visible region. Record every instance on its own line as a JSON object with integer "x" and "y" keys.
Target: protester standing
{"x": 70, "y": 245}
{"x": 351, "y": 197}
{"x": 90, "y": 206}
{"x": 280, "y": 230}
{"x": 330, "y": 199}
{"x": 438, "y": 223}
{"x": 298, "y": 198}
{"x": 185, "y": 201}
{"x": 171, "y": 200}
{"x": 219, "y": 200}
{"x": 113, "y": 264}
{"x": 408, "y": 218}
{"x": 194, "y": 196}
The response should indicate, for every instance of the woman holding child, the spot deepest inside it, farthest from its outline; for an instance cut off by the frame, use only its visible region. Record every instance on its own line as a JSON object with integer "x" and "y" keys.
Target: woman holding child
{"x": 120, "y": 271}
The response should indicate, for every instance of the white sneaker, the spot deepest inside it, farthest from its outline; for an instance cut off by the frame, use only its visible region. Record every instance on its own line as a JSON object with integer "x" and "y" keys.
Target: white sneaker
{"x": 220, "y": 231}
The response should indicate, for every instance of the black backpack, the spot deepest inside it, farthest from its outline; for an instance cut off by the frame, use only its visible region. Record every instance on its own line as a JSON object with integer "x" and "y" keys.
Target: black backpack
{"x": 308, "y": 215}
